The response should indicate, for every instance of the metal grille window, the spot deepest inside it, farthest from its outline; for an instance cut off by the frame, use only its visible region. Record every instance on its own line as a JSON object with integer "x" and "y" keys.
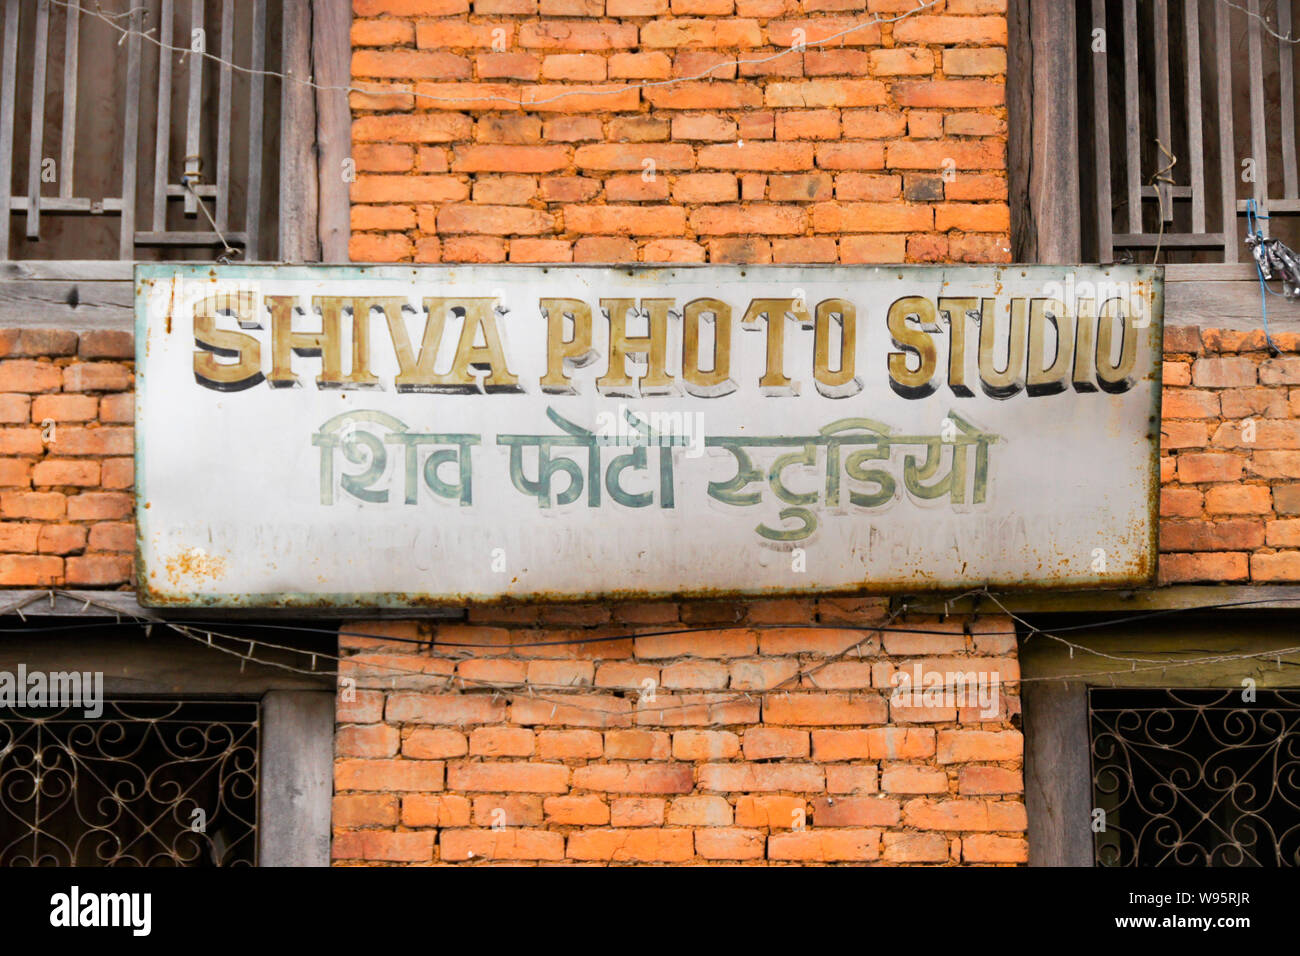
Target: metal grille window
{"x": 1196, "y": 778}
{"x": 147, "y": 783}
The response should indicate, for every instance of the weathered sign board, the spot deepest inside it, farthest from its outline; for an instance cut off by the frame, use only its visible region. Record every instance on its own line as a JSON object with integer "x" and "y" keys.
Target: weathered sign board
{"x": 390, "y": 436}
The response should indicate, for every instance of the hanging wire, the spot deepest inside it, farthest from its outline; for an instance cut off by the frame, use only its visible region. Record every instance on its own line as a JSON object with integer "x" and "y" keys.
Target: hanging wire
{"x": 1268, "y": 27}
{"x": 623, "y": 635}
{"x": 1162, "y": 175}
{"x": 229, "y": 253}
{"x": 530, "y": 688}
{"x": 355, "y": 664}
{"x": 874, "y": 20}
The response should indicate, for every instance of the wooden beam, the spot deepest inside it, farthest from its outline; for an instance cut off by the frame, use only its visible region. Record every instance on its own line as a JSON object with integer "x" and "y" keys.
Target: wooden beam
{"x": 1054, "y": 170}
{"x": 332, "y": 56}
{"x": 42, "y": 295}
{"x": 1211, "y": 272}
{"x": 297, "y": 779}
{"x": 1020, "y": 99}
{"x": 1191, "y": 650}
{"x": 1223, "y": 305}
{"x": 1146, "y": 239}
{"x": 1275, "y": 206}
{"x": 66, "y": 269}
{"x": 1181, "y": 596}
{"x": 197, "y": 237}
{"x": 1058, "y": 774}
{"x": 299, "y": 177}
{"x": 1286, "y": 111}
{"x": 45, "y": 602}
{"x": 163, "y": 663}
{"x": 48, "y": 305}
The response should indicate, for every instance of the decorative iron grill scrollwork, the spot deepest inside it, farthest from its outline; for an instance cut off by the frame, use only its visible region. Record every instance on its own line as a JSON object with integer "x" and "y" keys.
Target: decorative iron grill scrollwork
{"x": 1195, "y": 778}
{"x": 148, "y": 783}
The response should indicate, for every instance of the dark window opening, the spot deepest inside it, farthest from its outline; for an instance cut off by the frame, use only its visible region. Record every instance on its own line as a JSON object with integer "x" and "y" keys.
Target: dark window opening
{"x": 1195, "y": 777}
{"x": 146, "y": 783}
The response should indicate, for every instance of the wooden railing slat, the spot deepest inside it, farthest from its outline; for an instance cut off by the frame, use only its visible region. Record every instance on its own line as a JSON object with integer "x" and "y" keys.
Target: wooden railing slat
{"x": 1101, "y": 121}
{"x": 223, "y": 114}
{"x": 1286, "y": 84}
{"x": 1195, "y": 118}
{"x": 162, "y": 149}
{"x": 1163, "y": 125}
{"x": 8, "y": 92}
{"x": 131, "y": 137}
{"x": 256, "y": 106}
{"x": 193, "y": 113}
{"x": 1132, "y": 121}
{"x": 68, "y": 138}
{"x": 256, "y": 103}
{"x": 36, "y": 141}
{"x": 1227, "y": 155}
{"x": 1258, "y": 133}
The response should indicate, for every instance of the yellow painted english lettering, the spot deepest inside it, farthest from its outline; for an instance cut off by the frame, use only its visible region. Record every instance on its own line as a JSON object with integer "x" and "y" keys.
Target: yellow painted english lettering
{"x": 1003, "y": 347}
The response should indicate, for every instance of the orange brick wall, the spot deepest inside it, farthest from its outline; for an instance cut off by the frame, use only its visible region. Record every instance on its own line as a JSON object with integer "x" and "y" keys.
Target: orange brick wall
{"x": 66, "y": 466}
{"x": 886, "y": 145}
{"x": 1230, "y": 508}
{"x": 1230, "y": 471}
{"x": 764, "y": 743}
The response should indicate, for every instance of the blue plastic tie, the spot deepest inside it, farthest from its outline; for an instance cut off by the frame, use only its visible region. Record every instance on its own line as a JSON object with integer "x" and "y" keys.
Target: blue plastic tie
{"x": 1252, "y": 229}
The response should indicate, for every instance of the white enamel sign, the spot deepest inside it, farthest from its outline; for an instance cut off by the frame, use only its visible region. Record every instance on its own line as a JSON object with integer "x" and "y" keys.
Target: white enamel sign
{"x": 393, "y": 436}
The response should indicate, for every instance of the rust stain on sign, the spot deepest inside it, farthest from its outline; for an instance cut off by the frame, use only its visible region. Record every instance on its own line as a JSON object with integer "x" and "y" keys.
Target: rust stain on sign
{"x": 194, "y": 565}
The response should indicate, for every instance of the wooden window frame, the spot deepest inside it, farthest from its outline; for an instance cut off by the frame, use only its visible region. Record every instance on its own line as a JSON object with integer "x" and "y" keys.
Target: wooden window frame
{"x": 296, "y": 755}
{"x": 1058, "y": 765}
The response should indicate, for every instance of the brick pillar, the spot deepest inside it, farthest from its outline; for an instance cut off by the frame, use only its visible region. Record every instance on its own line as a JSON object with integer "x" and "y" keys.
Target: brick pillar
{"x": 760, "y": 743}
{"x": 513, "y": 130}
{"x": 66, "y": 466}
